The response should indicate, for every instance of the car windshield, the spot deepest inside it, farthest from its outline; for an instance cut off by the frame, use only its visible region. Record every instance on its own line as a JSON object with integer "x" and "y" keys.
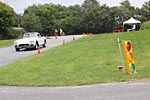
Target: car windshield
{"x": 29, "y": 35}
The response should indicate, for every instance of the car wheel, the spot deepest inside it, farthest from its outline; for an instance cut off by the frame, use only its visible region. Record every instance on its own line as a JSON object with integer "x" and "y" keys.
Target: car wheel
{"x": 44, "y": 45}
{"x": 17, "y": 49}
{"x": 36, "y": 46}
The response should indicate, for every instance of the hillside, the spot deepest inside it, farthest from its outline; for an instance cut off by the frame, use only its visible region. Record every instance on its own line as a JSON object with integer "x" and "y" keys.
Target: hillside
{"x": 89, "y": 60}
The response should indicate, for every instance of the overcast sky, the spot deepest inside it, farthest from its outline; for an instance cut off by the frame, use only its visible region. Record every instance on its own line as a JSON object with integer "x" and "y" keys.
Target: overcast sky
{"x": 20, "y": 5}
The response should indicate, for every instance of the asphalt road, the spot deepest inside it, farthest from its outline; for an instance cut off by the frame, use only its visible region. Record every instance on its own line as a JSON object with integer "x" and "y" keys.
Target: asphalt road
{"x": 8, "y": 54}
{"x": 108, "y": 91}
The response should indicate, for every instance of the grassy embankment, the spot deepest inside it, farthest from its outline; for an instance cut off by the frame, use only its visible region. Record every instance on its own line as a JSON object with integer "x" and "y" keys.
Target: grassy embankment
{"x": 89, "y": 60}
{"x": 5, "y": 43}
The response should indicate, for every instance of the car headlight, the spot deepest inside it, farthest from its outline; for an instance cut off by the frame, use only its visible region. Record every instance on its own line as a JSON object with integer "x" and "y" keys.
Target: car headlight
{"x": 31, "y": 42}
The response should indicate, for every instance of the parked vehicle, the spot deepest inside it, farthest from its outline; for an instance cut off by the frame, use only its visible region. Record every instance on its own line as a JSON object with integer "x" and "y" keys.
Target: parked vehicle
{"x": 30, "y": 40}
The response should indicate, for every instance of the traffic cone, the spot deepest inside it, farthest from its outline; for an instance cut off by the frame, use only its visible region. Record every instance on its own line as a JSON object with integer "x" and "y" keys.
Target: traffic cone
{"x": 73, "y": 38}
{"x": 55, "y": 36}
{"x": 39, "y": 50}
{"x": 63, "y": 43}
{"x": 84, "y": 34}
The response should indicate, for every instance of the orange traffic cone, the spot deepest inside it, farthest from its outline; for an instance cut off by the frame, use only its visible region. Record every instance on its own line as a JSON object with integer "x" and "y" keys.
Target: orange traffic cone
{"x": 63, "y": 43}
{"x": 39, "y": 50}
{"x": 84, "y": 34}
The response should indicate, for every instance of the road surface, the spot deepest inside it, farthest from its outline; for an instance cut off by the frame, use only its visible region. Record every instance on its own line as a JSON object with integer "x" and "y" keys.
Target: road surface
{"x": 108, "y": 91}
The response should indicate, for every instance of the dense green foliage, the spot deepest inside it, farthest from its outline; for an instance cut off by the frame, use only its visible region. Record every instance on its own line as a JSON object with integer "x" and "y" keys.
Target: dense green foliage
{"x": 89, "y": 60}
{"x": 89, "y": 17}
{"x": 7, "y": 19}
{"x": 145, "y": 25}
{"x": 31, "y": 22}
{"x": 146, "y": 11}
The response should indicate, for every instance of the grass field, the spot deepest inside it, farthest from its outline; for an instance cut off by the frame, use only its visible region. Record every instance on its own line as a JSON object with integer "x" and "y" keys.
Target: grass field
{"x": 89, "y": 60}
{"x": 5, "y": 43}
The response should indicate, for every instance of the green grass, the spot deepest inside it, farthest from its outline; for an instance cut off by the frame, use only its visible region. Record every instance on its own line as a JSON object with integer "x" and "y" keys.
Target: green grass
{"x": 89, "y": 60}
{"x": 5, "y": 43}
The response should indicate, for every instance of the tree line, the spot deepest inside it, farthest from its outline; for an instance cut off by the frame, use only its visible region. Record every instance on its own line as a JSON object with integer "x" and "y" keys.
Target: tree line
{"x": 90, "y": 17}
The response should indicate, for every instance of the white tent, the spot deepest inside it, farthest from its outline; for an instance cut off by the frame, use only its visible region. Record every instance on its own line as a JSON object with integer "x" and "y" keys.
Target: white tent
{"x": 132, "y": 21}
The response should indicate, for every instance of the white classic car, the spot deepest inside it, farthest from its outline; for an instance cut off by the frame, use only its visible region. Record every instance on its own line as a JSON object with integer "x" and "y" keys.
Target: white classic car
{"x": 31, "y": 40}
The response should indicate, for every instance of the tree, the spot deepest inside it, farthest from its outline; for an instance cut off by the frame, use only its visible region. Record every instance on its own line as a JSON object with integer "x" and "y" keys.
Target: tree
{"x": 146, "y": 11}
{"x": 7, "y": 19}
{"x": 90, "y": 4}
{"x": 31, "y": 23}
{"x": 106, "y": 23}
{"x": 46, "y": 15}
{"x": 18, "y": 20}
{"x": 71, "y": 22}
{"x": 127, "y": 9}
{"x": 90, "y": 16}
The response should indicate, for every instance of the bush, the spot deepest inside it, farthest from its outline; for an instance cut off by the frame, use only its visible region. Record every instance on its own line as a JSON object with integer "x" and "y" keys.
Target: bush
{"x": 145, "y": 25}
{"x": 11, "y": 34}
{"x": 15, "y": 33}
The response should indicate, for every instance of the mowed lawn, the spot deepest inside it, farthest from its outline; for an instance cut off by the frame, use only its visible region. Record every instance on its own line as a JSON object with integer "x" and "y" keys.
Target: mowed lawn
{"x": 5, "y": 43}
{"x": 89, "y": 60}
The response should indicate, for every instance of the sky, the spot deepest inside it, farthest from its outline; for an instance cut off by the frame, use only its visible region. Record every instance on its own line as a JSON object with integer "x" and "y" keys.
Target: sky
{"x": 20, "y": 5}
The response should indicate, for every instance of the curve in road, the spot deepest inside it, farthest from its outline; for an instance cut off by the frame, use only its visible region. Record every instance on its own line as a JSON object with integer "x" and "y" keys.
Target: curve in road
{"x": 9, "y": 55}
{"x": 108, "y": 91}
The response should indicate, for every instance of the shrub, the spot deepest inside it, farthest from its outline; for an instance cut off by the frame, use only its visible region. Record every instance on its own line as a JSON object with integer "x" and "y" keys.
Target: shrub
{"x": 11, "y": 34}
{"x": 145, "y": 25}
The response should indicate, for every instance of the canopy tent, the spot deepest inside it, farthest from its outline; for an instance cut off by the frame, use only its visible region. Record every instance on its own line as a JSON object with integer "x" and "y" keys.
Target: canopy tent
{"x": 131, "y": 24}
{"x": 132, "y": 21}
